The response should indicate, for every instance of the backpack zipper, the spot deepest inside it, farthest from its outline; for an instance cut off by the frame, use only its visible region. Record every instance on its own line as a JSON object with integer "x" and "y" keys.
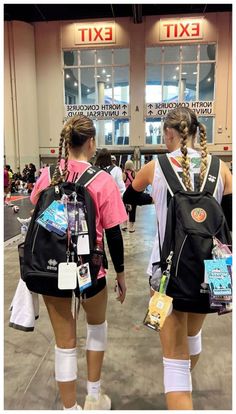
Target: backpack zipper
{"x": 33, "y": 244}
{"x": 181, "y": 248}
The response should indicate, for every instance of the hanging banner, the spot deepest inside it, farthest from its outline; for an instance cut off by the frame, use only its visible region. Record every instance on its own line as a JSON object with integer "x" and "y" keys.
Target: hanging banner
{"x": 98, "y": 111}
{"x": 95, "y": 33}
{"x": 160, "y": 109}
{"x": 181, "y": 29}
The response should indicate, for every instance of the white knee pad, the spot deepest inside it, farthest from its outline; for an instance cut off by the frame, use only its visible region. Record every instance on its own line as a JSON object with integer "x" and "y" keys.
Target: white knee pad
{"x": 195, "y": 344}
{"x": 177, "y": 376}
{"x": 65, "y": 364}
{"x": 97, "y": 337}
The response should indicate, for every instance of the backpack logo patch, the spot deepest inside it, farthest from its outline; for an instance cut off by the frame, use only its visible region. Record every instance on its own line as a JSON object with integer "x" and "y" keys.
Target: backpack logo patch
{"x": 211, "y": 178}
{"x": 199, "y": 214}
{"x": 52, "y": 264}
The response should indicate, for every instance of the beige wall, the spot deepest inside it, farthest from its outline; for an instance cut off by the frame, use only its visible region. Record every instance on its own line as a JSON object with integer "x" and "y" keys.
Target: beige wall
{"x": 40, "y": 90}
{"x": 20, "y": 94}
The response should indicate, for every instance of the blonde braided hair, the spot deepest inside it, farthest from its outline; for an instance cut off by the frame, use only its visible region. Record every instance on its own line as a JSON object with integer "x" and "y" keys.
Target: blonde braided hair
{"x": 76, "y": 131}
{"x": 185, "y": 122}
{"x": 204, "y": 151}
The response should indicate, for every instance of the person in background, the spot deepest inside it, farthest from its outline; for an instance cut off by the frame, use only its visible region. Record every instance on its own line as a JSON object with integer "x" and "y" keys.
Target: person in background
{"x": 128, "y": 177}
{"x": 181, "y": 334}
{"x": 78, "y": 140}
{"x": 31, "y": 177}
{"x": 107, "y": 162}
{"x": 7, "y": 190}
{"x": 6, "y": 184}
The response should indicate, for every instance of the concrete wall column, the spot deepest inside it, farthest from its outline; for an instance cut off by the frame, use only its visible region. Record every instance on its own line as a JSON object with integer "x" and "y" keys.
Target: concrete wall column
{"x": 20, "y": 96}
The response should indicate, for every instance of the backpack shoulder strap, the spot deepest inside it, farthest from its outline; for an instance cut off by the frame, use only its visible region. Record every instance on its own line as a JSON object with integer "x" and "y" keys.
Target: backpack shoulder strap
{"x": 212, "y": 175}
{"x": 172, "y": 179}
{"x": 88, "y": 175}
{"x": 109, "y": 168}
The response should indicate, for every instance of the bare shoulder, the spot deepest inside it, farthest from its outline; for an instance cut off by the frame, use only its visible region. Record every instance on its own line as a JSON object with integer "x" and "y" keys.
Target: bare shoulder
{"x": 144, "y": 176}
{"x": 226, "y": 177}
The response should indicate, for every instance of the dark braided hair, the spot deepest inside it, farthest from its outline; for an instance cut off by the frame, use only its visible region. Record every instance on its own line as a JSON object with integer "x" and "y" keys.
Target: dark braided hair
{"x": 185, "y": 122}
{"x": 76, "y": 131}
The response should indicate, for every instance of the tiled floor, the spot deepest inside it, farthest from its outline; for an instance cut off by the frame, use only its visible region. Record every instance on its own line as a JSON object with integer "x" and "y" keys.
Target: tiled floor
{"x": 132, "y": 374}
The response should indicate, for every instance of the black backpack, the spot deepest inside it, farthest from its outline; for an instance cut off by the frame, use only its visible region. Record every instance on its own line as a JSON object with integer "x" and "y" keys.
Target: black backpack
{"x": 44, "y": 250}
{"x": 194, "y": 218}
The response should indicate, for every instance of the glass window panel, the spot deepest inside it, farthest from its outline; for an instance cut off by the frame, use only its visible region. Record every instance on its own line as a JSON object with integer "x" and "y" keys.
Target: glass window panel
{"x": 108, "y": 94}
{"x": 121, "y": 131}
{"x": 208, "y": 52}
{"x": 87, "y": 57}
{"x": 188, "y": 86}
{"x": 206, "y": 81}
{"x": 171, "y": 54}
{"x": 70, "y": 57}
{"x": 104, "y": 132}
{"x": 153, "y": 131}
{"x": 121, "y": 56}
{"x": 209, "y": 123}
{"x": 71, "y": 85}
{"x": 189, "y": 53}
{"x": 104, "y": 57}
{"x": 121, "y": 85}
{"x": 153, "y": 84}
{"x": 153, "y": 54}
{"x": 87, "y": 86}
{"x": 171, "y": 84}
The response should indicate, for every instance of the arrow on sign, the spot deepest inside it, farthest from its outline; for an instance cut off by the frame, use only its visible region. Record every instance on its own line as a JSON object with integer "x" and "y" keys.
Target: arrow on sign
{"x": 124, "y": 106}
{"x": 124, "y": 113}
{"x": 150, "y": 112}
{"x": 150, "y": 106}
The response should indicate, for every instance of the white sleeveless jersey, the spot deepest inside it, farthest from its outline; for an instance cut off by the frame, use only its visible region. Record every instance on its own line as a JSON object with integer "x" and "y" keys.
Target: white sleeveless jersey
{"x": 159, "y": 195}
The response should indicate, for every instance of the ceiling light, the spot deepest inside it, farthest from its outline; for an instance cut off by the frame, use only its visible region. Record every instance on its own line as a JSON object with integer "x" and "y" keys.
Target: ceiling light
{"x": 88, "y": 90}
{"x": 194, "y": 73}
{"x": 75, "y": 84}
{"x": 104, "y": 71}
{"x": 67, "y": 76}
{"x": 208, "y": 79}
{"x": 98, "y": 76}
{"x": 177, "y": 68}
{"x": 99, "y": 60}
{"x": 174, "y": 77}
{"x": 108, "y": 76}
{"x": 184, "y": 73}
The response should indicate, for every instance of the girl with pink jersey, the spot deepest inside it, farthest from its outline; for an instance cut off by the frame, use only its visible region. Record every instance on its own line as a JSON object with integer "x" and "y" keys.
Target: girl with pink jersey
{"x": 78, "y": 139}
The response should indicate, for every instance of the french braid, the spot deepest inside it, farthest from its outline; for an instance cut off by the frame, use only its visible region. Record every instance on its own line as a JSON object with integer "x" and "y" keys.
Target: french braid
{"x": 185, "y": 122}
{"x": 76, "y": 131}
{"x": 204, "y": 151}
{"x": 184, "y": 132}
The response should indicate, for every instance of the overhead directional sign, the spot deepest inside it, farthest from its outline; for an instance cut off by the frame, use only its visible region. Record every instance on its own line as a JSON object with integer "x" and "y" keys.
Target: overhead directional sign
{"x": 98, "y": 111}
{"x": 160, "y": 109}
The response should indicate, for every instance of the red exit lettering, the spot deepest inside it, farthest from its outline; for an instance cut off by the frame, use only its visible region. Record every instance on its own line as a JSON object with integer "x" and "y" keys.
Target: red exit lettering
{"x": 180, "y": 30}
{"x": 93, "y": 34}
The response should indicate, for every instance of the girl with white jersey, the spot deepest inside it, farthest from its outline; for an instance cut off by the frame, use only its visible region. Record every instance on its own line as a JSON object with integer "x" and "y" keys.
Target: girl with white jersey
{"x": 181, "y": 334}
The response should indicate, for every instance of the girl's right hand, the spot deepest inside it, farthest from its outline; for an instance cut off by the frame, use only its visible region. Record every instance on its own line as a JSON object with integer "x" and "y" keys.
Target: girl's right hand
{"x": 120, "y": 287}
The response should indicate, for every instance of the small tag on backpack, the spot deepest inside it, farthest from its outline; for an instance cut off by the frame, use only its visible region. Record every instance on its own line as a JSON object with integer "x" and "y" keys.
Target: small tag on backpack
{"x": 83, "y": 244}
{"x": 67, "y": 275}
{"x": 160, "y": 306}
{"x": 84, "y": 276}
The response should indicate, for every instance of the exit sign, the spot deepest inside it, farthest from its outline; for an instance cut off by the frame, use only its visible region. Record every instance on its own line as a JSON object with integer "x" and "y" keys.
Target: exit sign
{"x": 181, "y": 29}
{"x": 95, "y": 33}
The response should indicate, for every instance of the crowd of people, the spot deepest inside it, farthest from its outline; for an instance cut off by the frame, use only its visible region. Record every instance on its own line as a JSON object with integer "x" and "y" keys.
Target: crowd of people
{"x": 116, "y": 194}
{"x": 18, "y": 182}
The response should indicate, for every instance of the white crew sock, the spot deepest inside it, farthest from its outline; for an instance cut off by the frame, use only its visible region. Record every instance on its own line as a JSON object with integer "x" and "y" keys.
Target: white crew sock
{"x": 93, "y": 388}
